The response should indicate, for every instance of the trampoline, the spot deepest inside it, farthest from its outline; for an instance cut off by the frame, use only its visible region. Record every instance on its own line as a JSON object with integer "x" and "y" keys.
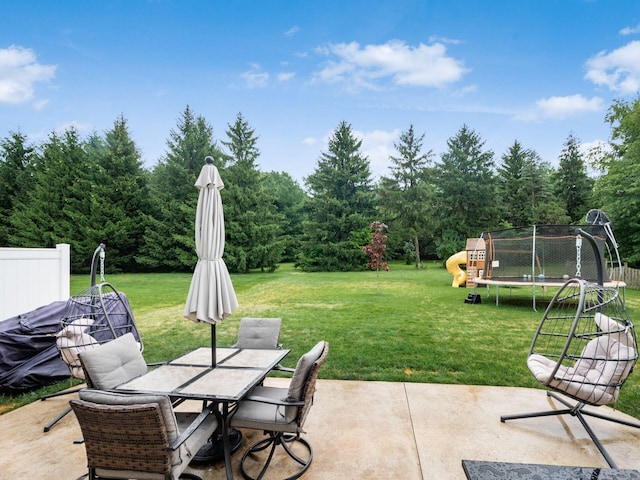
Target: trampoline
{"x": 541, "y": 256}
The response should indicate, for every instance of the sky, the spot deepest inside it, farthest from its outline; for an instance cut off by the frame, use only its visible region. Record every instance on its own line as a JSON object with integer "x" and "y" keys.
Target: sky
{"x": 534, "y": 71}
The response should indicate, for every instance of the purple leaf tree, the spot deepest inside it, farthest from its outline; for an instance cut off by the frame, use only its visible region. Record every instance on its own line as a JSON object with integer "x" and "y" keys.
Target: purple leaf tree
{"x": 377, "y": 249}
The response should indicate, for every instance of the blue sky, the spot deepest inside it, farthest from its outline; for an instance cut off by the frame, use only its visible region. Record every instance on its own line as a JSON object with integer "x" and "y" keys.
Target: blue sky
{"x": 531, "y": 70}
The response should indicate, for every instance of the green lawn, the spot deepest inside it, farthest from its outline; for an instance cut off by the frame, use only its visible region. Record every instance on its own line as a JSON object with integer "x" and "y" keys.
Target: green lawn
{"x": 407, "y": 326}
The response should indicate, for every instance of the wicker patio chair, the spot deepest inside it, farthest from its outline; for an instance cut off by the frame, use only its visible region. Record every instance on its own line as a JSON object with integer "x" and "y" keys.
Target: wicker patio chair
{"x": 281, "y": 413}
{"x": 112, "y": 363}
{"x": 139, "y": 436}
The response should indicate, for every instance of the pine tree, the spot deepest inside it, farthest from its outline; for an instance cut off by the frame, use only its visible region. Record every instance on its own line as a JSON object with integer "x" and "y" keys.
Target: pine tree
{"x": 253, "y": 226}
{"x": 121, "y": 200}
{"x": 467, "y": 198}
{"x": 340, "y": 209}
{"x": 169, "y": 241}
{"x": 406, "y": 195}
{"x": 526, "y": 190}
{"x": 573, "y": 185}
{"x": 289, "y": 201}
{"x": 16, "y": 165}
{"x": 58, "y": 204}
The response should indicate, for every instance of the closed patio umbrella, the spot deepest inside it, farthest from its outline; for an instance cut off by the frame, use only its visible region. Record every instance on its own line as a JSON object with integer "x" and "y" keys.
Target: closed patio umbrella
{"x": 211, "y": 296}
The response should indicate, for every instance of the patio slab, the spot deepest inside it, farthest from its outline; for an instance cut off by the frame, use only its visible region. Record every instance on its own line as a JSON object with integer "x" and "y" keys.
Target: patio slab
{"x": 367, "y": 430}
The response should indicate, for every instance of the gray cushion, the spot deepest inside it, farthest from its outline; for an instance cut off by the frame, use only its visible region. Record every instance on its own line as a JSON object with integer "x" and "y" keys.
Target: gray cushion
{"x": 259, "y": 333}
{"x": 305, "y": 363}
{"x": 265, "y": 416}
{"x": 114, "y": 362}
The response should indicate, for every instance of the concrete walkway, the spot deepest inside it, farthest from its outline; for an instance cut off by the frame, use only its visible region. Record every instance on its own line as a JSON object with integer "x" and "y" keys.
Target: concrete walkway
{"x": 368, "y": 430}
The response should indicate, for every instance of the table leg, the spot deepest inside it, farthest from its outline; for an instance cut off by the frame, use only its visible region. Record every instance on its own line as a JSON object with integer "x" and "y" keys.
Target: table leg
{"x": 225, "y": 441}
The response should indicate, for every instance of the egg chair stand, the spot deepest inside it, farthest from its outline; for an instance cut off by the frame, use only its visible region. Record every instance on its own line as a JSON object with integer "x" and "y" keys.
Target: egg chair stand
{"x": 92, "y": 317}
{"x": 584, "y": 349}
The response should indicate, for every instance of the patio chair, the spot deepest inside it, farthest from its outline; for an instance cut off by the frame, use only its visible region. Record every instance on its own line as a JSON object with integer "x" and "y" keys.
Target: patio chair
{"x": 585, "y": 348}
{"x": 139, "y": 436}
{"x": 112, "y": 363}
{"x": 281, "y": 413}
{"x": 94, "y": 317}
{"x": 259, "y": 333}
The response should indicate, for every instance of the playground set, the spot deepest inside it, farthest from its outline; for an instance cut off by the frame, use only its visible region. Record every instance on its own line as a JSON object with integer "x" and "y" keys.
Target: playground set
{"x": 537, "y": 256}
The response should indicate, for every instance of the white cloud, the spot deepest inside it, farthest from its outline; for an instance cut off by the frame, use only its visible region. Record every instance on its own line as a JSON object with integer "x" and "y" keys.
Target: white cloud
{"x": 630, "y": 30}
{"x": 284, "y": 76}
{"x": 377, "y": 145}
{"x": 292, "y": 31}
{"x": 618, "y": 70}
{"x": 310, "y": 141}
{"x": 436, "y": 38}
{"x": 255, "y": 78}
{"x": 19, "y": 72}
{"x": 562, "y": 107}
{"x": 369, "y": 66}
{"x": 569, "y": 106}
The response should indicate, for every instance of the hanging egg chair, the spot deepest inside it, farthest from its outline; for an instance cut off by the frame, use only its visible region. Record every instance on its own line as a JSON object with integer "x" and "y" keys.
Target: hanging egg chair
{"x": 584, "y": 349}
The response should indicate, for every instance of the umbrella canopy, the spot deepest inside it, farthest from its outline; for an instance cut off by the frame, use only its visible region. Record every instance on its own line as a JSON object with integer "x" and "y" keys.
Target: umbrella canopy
{"x": 211, "y": 296}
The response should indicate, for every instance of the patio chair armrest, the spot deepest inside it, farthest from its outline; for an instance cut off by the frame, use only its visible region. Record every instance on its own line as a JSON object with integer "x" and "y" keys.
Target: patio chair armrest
{"x": 280, "y": 368}
{"x": 273, "y": 401}
{"x": 190, "y": 429}
{"x": 156, "y": 364}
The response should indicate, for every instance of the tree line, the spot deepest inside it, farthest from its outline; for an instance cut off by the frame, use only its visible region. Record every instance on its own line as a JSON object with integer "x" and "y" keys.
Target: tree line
{"x": 86, "y": 191}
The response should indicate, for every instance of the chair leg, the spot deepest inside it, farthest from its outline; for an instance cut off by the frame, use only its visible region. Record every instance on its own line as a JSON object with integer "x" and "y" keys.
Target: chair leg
{"x": 271, "y": 443}
{"x": 50, "y": 425}
{"x": 577, "y": 411}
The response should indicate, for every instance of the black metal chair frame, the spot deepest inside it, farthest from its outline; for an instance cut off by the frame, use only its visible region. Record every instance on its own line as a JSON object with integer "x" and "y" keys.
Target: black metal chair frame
{"x": 577, "y": 409}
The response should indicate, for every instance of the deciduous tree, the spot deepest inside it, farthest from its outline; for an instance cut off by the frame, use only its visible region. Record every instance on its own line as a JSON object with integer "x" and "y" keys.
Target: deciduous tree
{"x": 618, "y": 190}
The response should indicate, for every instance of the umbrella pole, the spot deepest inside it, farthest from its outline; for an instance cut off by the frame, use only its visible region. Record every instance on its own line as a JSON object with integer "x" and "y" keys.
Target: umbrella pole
{"x": 213, "y": 345}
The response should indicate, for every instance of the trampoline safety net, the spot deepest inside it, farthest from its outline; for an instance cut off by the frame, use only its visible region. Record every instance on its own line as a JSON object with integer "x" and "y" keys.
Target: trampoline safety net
{"x": 545, "y": 253}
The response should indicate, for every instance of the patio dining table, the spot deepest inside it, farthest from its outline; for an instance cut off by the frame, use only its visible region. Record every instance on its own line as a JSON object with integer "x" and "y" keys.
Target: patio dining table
{"x": 191, "y": 377}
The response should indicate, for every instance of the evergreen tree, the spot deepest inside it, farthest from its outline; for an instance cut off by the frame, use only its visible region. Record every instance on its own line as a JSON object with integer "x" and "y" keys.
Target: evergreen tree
{"x": 16, "y": 166}
{"x": 57, "y": 208}
{"x": 618, "y": 190}
{"x": 340, "y": 209}
{"x": 169, "y": 242}
{"x": 406, "y": 194}
{"x": 573, "y": 185}
{"x": 526, "y": 189}
{"x": 121, "y": 198}
{"x": 253, "y": 225}
{"x": 467, "y": 197}
{"x": 289, "y": 201}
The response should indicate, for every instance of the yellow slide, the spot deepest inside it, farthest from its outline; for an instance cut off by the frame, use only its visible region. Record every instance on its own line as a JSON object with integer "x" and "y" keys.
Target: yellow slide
{"x": 453, "y": 267}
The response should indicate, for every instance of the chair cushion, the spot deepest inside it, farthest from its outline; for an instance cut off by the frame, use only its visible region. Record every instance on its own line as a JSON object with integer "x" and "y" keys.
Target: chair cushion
{"x": 264, "y": 416}
{"x": 259, "y": 333}
{"x": 114, "y": 362}
{"x": 616, "y": 329}
{"x": 305, "y": 363}
{"x": 174, "y": 423}
{"x": 73, "y": 339}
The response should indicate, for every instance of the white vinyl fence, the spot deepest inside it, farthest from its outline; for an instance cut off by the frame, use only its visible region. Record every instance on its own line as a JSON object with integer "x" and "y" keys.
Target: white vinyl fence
{"x": 33, "y": 277}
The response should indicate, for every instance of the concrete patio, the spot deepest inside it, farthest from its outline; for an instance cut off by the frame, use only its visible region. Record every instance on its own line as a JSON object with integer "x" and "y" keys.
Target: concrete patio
{"x": 368, "y": 430}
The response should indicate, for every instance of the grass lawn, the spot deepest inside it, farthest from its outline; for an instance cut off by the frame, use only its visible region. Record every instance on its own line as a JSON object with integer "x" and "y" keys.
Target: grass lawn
{"x": 406, "y": 325}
